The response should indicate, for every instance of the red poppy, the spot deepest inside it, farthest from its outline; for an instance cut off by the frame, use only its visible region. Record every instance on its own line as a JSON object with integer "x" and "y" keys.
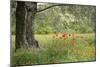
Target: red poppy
{"x": 64, "y": 36}
{"x": 72, "y": 42}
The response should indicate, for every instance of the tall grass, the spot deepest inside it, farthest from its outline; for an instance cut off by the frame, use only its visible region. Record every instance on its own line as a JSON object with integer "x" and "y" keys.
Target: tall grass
{"x": 57, "y": 51}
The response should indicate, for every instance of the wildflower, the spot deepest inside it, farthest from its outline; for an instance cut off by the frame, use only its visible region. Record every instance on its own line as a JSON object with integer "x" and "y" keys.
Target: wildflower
{"x": 72, "y": 42}
{"x": 64, "y": 36}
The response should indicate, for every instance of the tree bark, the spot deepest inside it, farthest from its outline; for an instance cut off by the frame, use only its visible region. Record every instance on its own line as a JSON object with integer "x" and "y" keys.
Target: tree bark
{"x": 25, "y": 14}
{"x": 31, "y": 9}
{"x": 20, "y": 24}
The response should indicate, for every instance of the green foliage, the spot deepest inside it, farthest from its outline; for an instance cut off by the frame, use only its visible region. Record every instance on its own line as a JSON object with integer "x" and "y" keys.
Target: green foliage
{"x": 65, "y": 18}
{"x": 54, "y": 51}
{"x": 69, "y": 18}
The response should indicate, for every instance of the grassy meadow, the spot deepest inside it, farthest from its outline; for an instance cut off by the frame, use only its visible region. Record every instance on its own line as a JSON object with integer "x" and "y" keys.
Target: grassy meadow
{"x": 57, "y": 48}
{"x": 65, "y": 33}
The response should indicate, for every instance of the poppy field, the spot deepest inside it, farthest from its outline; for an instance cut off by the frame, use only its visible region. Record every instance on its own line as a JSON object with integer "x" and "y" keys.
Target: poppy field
{"x": 58, "y": 48}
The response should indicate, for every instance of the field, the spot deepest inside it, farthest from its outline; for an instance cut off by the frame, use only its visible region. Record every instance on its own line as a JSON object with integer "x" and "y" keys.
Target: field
{"x": 57, "y": 48}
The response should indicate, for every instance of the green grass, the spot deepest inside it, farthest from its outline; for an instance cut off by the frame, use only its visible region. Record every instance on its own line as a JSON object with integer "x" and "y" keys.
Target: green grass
{"x": 54, "y": 51}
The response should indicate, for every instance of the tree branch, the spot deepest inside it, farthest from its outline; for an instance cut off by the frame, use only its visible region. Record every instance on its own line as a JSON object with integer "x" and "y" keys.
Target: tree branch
{"x": 49, "y": 7}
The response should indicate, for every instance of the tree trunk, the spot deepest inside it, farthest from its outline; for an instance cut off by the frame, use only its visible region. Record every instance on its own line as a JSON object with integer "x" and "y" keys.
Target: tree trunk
{"x": 20, "y": 24}
{"x": 25, "y": 15}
